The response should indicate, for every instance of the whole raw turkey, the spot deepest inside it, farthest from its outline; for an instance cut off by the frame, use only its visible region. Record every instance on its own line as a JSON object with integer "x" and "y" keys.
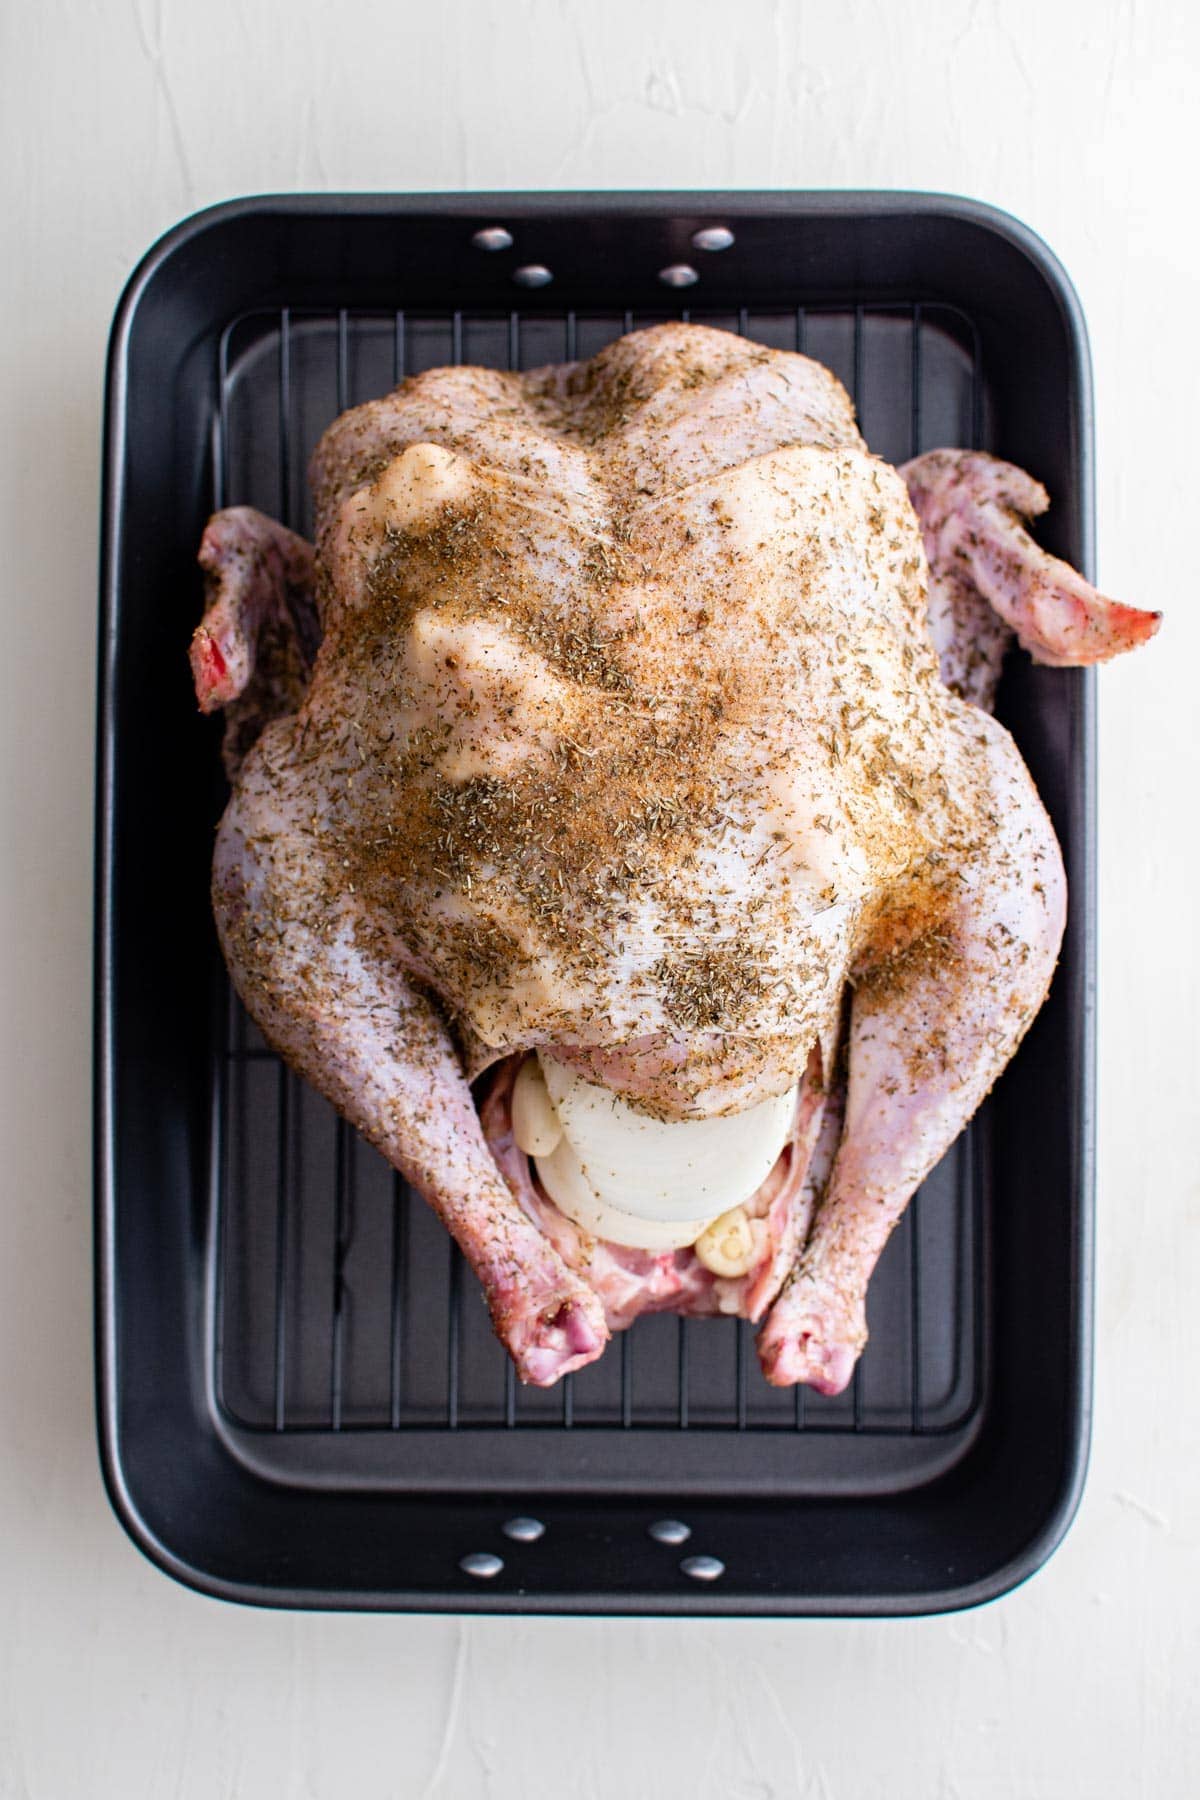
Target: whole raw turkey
{"x": 633, "y": 713}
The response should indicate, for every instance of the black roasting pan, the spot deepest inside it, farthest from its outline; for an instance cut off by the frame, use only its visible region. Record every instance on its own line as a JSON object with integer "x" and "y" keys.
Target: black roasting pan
{"x": 300, "y": 1402}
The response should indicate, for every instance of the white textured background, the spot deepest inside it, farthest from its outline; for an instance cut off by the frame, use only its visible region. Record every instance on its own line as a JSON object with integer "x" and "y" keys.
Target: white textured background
{"x": 115, "y": 121}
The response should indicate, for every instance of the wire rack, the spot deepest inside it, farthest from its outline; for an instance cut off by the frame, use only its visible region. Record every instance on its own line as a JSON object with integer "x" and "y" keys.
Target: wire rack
{"x": 340, "y": 1305}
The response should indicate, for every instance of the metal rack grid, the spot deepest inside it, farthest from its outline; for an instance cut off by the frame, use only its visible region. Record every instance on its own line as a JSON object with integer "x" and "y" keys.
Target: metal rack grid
{"x": 341, "y": 1306}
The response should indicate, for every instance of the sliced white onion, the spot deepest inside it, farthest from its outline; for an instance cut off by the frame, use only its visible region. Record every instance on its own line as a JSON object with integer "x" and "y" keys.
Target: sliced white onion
{"x": 670, "y": 1171}
{"x": 536, "y": 1126}
{"x": 564, "y": 1180}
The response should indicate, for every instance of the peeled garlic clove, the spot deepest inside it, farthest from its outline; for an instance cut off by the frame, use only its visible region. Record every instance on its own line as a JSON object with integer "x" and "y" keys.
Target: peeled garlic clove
{"x": 727, "y": 1247}
{"x": 535, "y": 1123}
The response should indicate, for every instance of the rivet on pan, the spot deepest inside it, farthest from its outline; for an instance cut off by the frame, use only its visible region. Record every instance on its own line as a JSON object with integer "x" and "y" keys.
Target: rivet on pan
{"x": 532, "y": 275}
{"x": 713, "y": 237}
{"x": 669, "y": 1531}
{"x": 523, "y": 1530}
{"x": 678, "y": 275}
{"x": 482, "y": 1564}
{"x": 493, "y": 237}
{"x": 703, "y": 1568}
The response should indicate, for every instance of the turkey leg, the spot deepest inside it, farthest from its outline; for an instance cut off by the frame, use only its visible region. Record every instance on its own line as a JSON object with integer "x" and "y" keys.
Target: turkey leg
{"x": 931, "y": 1027}
{"x": 333, "y": 992}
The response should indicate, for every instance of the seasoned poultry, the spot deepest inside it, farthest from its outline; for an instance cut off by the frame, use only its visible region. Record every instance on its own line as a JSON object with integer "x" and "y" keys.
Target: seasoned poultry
{"x": 618, "y": 835}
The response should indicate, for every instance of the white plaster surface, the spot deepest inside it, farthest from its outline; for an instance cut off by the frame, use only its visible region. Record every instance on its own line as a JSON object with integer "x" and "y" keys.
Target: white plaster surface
{"x": 1081, "y": 118}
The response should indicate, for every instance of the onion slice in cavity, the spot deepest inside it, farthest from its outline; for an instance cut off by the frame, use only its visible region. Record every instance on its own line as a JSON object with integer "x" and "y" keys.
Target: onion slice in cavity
{"x": 651, "y": 1183}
